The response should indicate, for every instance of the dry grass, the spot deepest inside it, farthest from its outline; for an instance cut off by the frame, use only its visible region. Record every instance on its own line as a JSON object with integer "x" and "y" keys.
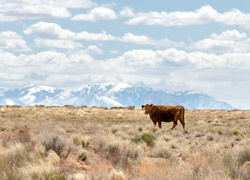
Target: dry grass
{"x": 121, "y": 143}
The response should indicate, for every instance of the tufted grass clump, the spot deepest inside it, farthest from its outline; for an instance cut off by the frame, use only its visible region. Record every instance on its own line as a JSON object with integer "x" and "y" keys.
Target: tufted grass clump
{"x": 148, "y": 138}
{"x": 11, "y": 161}
{"x": 82, "y": 154}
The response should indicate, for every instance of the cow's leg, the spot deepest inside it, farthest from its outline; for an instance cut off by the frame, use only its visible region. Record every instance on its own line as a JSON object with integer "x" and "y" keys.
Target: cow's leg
{"x": 159, "y": 123}
{"x": 174, "y": 122}
{"x": 155, "y": 122}
{"x": 183, "y": 124}
{"x": 174, "y": 125}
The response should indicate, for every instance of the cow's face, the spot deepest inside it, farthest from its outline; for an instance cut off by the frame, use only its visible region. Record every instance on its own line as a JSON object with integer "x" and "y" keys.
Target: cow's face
{"x": 147, "y": 108}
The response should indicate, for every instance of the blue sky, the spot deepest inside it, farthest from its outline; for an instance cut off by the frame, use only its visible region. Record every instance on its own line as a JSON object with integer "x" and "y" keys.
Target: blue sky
{"x": 169, "y": 45}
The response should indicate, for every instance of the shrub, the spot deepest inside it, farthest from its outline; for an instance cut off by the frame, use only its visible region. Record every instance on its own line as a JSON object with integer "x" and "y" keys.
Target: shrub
{"x": 148, "y": 138}
{"x": 23, "y": 136}
{"x": 119, "y": 153}
{"x": 131, "y": 107}
{"x": 163, "y": 153}
{"x": 231, "y": 166}
{"x": 117, "y": 175}
{"x": 243, "y": 156}
{"x": 54, "y": 175}
{"x": 136, "y": 139}
{"x": 58, "y": 143}
{"x": 82, "y": 154}
{"x": 11, "y": 161}
{"x": 236, "y": 132}
{"x": 210, "y": 138}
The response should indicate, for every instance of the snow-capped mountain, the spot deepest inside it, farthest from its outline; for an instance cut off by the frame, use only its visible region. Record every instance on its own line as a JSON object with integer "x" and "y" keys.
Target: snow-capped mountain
{"x": 107, "y": 95}
{"x": 194, "y": 100}
{"x": 31, "y": 95}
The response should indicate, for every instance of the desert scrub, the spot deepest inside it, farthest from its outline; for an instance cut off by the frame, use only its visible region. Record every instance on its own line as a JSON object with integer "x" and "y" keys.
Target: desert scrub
{"x": 163, "y": 153}
{"x": 243, "y": 156}
{"x": 53, "y": 175}
{"x": 13, "y": 159}
{"x": 82, "y": 154}
{"x": 148, "y": 138}
{"x": 117, "y": 175}
{"x": 119, "y": 153}
{"x": 60, "y": 144}
{"x": 131, "y": 107}
{"x": 79, "y": 139}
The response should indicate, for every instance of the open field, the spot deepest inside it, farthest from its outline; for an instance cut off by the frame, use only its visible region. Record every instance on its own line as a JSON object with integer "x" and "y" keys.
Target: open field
{"x": 121, "y": 143}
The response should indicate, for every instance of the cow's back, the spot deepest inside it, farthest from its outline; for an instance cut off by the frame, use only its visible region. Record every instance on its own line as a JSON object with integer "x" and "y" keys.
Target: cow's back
{"x": 168, "y": 113}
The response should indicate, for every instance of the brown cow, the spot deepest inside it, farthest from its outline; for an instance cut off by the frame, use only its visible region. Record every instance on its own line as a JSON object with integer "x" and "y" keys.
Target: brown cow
{"x": 165, "y": 114}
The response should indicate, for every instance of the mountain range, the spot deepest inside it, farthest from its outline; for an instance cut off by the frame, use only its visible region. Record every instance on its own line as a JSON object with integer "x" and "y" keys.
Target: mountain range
{"x": 107, "y": 95}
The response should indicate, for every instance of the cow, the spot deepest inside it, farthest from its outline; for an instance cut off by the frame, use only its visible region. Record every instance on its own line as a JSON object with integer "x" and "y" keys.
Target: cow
{"x": 165, "y": 114}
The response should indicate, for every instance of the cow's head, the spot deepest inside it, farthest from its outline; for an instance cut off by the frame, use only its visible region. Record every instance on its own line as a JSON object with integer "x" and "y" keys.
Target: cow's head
{"x": 147, "y": 107}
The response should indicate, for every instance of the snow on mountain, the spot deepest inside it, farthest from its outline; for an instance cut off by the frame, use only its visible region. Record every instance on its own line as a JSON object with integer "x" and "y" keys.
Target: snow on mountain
{"x": 197, "y": 100}
{"x": 31, "y": 94}
{"x": 107, "y": 95}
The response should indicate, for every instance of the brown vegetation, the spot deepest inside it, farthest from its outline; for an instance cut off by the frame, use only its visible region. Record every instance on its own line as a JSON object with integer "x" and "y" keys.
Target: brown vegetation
{"x": 121, "y": 143}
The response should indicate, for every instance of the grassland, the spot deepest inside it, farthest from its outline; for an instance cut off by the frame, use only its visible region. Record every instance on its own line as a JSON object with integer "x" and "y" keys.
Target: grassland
{"x": 121, "y": 143}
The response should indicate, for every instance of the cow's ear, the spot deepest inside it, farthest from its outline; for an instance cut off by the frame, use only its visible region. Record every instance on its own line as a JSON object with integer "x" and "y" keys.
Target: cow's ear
{"x": 151, "y": 105}
{"x": 142, "y": 106}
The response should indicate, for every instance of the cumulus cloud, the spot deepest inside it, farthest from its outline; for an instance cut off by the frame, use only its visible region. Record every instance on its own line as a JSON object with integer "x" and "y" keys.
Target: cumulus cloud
{"x": 23, "y": 9}
{"x": 127, "y": 12}
{"x": 203, "y": 15}
{"x": 60, "y": 44}
{"x": 74, "y": 3}
{"x": 11, "y": 41}
{"x": 173, "y": 58}
{"x": 227, "y": 41}
{"x": 138, "y": 39}
{"x": 168, "y": 68}
{"x": 96, "y": 14}
{"x": 54, "y": 31}
{"x": 48, "y": 31}
{"x": 94, "y": 36}
{"x": 93, "y": 50}
{"x": 44, "y": 31}
{"x": 145, "y": 40}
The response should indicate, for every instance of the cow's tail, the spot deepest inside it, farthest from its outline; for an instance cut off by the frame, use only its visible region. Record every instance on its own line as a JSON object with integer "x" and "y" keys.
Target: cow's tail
{"x": 183, "y": 114}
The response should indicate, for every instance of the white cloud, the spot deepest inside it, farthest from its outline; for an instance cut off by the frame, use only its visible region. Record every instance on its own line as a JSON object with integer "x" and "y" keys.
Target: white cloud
{"x": 173, "y": 58}
{"x": 59, "y": 44}
{"x": 96, "y": 14}
{"x": 74, "y": 3}
{"x": 93, "y": 50}
{"x": 127, "y": 12}
{"x": 137, "y": 39}
{"x": 170, "y": 69}
{"x": 11, "y": 41}
{"x": 229, "y": 35}
{"x": 204, "y": 15}
{"x": 23, "y": 9}
{"x": 227, "y": 41}
{"x": 54, "y": 31}
{"x": 48, "y": 31}
{"x": 45, "y": 30}
{"x": 94, "y": 36}
{"x": 114, "y": 51}
{"x": 145, "y": 40}
{"x": 12, "y": 10}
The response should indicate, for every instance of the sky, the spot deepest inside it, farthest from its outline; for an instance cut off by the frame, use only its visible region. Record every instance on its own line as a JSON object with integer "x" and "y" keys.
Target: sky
{"x": 168, "y": 45}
